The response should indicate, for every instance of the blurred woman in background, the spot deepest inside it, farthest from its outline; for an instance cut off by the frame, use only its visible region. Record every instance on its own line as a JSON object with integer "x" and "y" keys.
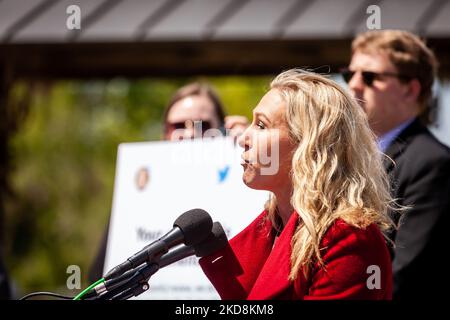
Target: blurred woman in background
{"x": 192, "y": 110}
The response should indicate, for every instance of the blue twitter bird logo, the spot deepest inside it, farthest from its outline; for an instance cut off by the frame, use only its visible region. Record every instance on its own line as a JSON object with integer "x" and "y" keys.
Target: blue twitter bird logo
{"x": 223, "y": 173}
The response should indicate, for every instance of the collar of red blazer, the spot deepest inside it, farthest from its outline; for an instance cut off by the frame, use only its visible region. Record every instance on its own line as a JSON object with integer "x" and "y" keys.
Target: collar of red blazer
{"x": 249, "y": 268}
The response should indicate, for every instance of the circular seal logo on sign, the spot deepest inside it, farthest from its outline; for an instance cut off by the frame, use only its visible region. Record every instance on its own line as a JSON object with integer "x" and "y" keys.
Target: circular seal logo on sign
{"x": 142, "y": 178}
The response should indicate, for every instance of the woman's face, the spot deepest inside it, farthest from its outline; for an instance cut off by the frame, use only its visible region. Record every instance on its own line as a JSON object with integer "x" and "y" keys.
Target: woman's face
{"x": 268, "y": 150}
{"x": 185, "y": 113}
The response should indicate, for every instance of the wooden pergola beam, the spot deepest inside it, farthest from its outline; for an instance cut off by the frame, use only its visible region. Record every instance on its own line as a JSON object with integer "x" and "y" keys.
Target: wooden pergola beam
{"x": 104, "y": 60}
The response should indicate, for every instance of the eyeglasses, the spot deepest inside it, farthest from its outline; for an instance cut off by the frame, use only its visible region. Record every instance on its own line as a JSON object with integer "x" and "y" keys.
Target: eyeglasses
{"x": 369, "y": 76}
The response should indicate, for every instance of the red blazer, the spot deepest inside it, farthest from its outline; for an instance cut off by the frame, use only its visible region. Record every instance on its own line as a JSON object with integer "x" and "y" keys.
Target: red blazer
{"x": 249, "y": 268}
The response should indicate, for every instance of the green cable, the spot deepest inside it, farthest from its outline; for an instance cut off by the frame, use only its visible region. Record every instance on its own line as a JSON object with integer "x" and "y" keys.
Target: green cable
{"x": 82, "y": 293}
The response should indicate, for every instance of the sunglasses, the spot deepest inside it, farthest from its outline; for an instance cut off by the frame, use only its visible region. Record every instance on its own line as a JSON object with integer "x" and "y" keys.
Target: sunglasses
{"x": 204, "y": 125}
{"x": 369, "y": 76}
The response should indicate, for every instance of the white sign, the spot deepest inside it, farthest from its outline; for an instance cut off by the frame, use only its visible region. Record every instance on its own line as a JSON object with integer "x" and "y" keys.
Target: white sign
{"x": 155, "y": 183}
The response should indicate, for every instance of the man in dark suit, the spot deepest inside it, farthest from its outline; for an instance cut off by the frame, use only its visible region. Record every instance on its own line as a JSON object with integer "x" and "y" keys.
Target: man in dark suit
{"x": 391, "y": 73}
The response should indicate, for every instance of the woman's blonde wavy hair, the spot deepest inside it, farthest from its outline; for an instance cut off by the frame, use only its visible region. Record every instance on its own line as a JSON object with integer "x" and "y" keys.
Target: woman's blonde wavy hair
{"x": 337, "y": 169}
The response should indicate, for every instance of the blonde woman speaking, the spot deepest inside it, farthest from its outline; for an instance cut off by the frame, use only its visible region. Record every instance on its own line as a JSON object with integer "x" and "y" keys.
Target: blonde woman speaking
{"x": 319, "y": 236}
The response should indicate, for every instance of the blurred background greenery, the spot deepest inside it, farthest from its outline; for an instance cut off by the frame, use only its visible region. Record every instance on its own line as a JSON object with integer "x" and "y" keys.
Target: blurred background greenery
{"x": 63, "y": 164}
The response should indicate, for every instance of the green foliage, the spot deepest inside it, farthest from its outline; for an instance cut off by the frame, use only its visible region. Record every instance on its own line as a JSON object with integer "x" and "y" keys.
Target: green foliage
{"x": 64, "y": 161}
{"x": 240, "y": 95}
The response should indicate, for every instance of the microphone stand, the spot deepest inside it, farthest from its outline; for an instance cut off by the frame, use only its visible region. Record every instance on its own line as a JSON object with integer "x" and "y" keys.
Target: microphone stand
{"x": 134, "y": 291}
{"x": 134, "y": 286}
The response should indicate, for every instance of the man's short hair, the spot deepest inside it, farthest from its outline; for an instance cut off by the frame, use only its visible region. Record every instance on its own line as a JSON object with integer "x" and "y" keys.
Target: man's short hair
{"x": 409, "y": 54}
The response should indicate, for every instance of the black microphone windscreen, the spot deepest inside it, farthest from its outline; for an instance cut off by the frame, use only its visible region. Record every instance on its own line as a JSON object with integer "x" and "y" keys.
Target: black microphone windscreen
{"x": 195, "y": 224}
{"x": 216, "y": 240}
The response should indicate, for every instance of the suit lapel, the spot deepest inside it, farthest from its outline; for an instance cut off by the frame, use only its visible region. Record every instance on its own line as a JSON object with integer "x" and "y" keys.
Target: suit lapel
{"x": 397, "y": 147}
{"x": 273, "y": 278}
{"x": 392, "y": 152}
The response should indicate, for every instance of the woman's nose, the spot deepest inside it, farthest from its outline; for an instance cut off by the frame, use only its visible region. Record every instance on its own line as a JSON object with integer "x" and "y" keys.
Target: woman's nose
{"x": 243, "y": 139}
{"x": 189, "y": 129}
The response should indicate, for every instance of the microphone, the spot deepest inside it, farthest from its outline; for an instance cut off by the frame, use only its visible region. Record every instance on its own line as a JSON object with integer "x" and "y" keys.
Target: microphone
{"x": 216, "y": 240}
{"x": 190, "y": 228}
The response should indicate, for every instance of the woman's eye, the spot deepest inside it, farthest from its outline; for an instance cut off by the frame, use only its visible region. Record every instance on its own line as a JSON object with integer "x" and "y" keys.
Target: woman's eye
{"x": 260, "y": 125}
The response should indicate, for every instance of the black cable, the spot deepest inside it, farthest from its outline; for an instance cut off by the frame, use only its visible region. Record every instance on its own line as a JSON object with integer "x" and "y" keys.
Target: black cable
{"x": 51, "y": 294}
